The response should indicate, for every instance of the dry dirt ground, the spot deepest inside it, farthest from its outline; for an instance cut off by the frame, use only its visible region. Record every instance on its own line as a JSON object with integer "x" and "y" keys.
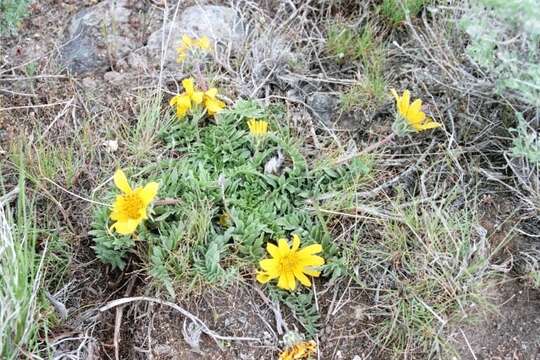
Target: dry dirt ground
{"x": 32, "y": 97}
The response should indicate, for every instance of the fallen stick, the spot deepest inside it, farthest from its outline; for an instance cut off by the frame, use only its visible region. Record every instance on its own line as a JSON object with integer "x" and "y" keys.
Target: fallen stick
{"x": 215, "y": 336}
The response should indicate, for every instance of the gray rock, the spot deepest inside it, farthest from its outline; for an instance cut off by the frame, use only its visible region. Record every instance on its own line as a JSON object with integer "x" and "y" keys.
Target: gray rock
{"x": 137, "y": 61}
{"x": 96, "y": 35}
{"x": 324, "y": 106}
{"x": 220, "y": 23}
{"x": 113, "y": 77}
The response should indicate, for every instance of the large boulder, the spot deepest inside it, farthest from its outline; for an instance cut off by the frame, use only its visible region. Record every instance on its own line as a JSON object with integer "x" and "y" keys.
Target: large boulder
{"x": 96, "y": 36}
{"x": 220, "y": 23}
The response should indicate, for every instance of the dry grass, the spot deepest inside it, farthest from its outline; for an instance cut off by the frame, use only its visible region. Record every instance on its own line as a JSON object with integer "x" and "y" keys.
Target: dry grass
{"x": 409, "y": 234}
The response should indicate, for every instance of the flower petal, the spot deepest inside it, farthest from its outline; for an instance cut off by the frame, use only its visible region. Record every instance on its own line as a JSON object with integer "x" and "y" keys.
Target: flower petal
{"x": 295, "y": 242}
{"x": 311, "y": 272}
{"x": 415, "y": 118}
{"x": 310, "y": 250}
{"x": 273, "y": 250}
{"x": 304, "y": 280}
{"x": 263, "y": 277}
{"x": 126, "y": 227}
{"x": 416, "y": 106}
{"x": 312, "y": 260}
{"x": 291, "y": 282}
{"x": 197, "y": 97}
{"x": 271, "y": 266}
{"x": 283, "y": 247}
{"x": 211, "y": 93}
{"x": 121, "y": 181}
{"x": 188, "y": 85}
{"x": 429, "y": 125}
{"x": 282, "y": 282}
{"x": 149, "y": 192}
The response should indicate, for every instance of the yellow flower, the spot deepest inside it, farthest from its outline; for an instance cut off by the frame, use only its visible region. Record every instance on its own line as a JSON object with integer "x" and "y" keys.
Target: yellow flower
{"x": 212, "y": 104}
{"x": 182, "y": 102}
{"x": 129, "y": 208}
{"x": 187, "y": 41}
{"x": 412, "y": 113}
{"x": 289, "y": 264}
{"x": 189, "y": 89}
{"x": 257, "y": 127}
{"x": 203, "y": 43}
{"x": 300, "y": 350}
{"x": 185, "y": 101}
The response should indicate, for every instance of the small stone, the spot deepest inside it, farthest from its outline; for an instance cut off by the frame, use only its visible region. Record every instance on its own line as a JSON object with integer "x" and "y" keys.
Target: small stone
{"x": 137, "y": 61}
{"x": 324, "y": 106}
{"x": 113, "y": 77}
{"x": 89, "y": 83}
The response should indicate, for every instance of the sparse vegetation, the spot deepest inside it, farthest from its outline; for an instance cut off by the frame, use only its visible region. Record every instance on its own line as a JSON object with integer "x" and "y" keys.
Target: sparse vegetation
{"x": 11, "y": 14}
{"x": 292, "y": 180}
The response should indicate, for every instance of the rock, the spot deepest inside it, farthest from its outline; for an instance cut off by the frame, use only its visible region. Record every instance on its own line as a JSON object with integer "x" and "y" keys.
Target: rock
{"x": 220, "y": 23}
{"x": 113, "y": 77}
{"x": 137, "y": 61}
{"x": 324, "y": 106}
{"x": 86, "y": 47}
{"x": 89, "y": 83}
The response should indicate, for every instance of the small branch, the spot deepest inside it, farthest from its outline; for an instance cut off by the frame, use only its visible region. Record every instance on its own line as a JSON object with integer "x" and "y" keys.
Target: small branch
{"x": 182, "y": 311}
{"x": 167, "y": 201}
{"x": 369, "y": 149}
{"x": 10, "y": 196}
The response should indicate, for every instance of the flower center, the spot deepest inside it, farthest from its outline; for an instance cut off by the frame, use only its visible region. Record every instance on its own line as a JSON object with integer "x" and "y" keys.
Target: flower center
{"x": 288, "y": 262}
{"x": 132, "y": 205}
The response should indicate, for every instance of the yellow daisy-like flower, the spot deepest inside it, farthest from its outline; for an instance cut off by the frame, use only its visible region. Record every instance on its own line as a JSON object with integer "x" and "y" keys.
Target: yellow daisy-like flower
{"x": 129, "y": 208}
{"x": 212, "y": 104}
{"x": 188, "y": 43}
{"x": 185, "y": 101}
{"x": 257, "y": 128}
{"x": 189, "y": 88}
{"x": 203, "y": 43}
{"x": 299, "y": 351}
{"x": 182, "y": 103}
{"x": 289, "y": 264}
{"x": 412, "y": 113}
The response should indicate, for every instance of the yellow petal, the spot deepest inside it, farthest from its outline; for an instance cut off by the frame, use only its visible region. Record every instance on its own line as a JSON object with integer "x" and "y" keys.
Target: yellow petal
{"x": 311, "y": 272}
{"x": 272, "y": 250}
{"x": 121, "y": 182}
{"x": 187, "y": 41}
{"x": 188, "y": 85}
{"x": 310, "y": 250}
{"x": 304, "y": 280}
{"x": 415, "y": 118}
{"x": 295, "y": 242}
{"x": 283, "y": 247}
{"x": 263, "y": 277}
{"x": 211, "y": 93}
{"x": 429, "y": 125}
{"x": 183, "y": 105}
{"x": 126, "y": 227}
{"x": 213, "y": 106}
{"x": 291, "y": 282}
{"x": 271, "y": 266}
{"x": 197, "y": 97}
{"x": 416, "y": 106}
{"x": 312, "y": 260}
{"x": 282, "y": 282}
{"x": 149, "y": 192}
{"x": 203, "y": 43}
